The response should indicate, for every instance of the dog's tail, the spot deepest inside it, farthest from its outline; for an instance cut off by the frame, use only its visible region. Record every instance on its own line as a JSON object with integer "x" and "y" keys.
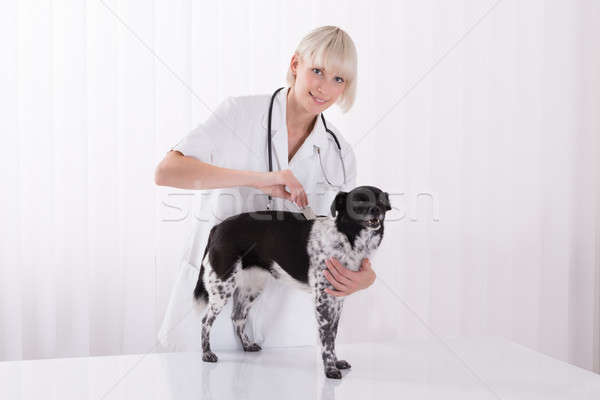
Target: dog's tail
{"x": 200, "y": 293}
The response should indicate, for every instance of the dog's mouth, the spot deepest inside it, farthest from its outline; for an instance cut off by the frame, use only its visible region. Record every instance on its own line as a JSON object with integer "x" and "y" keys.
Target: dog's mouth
{"x": 372, "y": 223}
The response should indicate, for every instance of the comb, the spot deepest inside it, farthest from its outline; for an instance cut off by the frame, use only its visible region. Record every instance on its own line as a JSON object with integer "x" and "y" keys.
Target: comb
{"x": 308, "y": 213}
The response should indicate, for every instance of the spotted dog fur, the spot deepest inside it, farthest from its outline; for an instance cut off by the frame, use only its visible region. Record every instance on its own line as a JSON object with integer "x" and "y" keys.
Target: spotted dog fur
{"x": 247, "y": 249}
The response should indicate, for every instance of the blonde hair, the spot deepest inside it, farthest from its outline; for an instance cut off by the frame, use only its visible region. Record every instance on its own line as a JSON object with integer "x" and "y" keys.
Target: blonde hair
{"x": 331, "y": 48}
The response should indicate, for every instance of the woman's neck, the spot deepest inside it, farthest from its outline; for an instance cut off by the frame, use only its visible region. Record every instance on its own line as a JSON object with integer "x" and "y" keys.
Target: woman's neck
{"x": 299, "y": 122}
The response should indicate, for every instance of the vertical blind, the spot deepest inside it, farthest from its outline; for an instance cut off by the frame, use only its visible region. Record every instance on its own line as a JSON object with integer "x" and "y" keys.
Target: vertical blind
{"x": 479, "y": 118}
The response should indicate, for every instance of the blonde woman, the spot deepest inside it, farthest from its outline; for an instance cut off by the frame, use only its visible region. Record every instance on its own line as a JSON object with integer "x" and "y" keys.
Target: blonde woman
{"x": 310, "y": 163}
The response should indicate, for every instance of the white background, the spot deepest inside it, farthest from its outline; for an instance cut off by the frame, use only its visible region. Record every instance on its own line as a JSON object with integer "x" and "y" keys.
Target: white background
{"x": 489, "y": 108}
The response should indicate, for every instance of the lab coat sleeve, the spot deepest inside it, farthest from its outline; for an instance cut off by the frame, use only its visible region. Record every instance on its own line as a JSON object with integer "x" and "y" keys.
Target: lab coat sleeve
{"x": 206, "y": 142}
{"x": 350, "y": 163}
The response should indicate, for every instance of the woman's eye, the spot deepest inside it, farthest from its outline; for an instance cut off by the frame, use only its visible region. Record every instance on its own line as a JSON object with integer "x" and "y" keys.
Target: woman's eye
{"x": 316, "y": 69}
{"x": 341, "y": 80}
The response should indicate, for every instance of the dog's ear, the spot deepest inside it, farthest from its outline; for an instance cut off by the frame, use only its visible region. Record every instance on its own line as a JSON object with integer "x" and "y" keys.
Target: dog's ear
{"x": 338, "y": 203}
{"x": 386, "y": 201}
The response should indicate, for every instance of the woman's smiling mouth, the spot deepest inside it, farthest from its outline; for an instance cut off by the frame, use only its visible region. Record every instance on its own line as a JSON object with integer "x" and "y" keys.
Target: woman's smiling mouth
{"x": 317, "y": 99}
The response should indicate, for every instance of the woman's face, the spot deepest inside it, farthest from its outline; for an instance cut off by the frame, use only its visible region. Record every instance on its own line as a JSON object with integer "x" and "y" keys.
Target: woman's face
{"x": 315, "y": 88}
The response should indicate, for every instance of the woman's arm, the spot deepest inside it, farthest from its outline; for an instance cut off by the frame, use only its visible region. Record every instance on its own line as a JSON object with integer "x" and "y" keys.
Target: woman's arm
{"x": 177, "y": 170}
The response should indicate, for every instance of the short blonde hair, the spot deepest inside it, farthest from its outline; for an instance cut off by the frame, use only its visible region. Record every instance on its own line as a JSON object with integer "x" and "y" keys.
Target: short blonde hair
{"x": 331, "y": 48}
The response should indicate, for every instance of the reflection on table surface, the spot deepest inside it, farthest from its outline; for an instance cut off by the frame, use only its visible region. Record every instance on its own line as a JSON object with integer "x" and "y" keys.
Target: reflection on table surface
{"x": 482, "y": 368}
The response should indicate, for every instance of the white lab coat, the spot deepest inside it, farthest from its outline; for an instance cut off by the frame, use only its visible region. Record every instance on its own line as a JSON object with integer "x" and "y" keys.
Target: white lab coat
{"x": 235, "y": 136}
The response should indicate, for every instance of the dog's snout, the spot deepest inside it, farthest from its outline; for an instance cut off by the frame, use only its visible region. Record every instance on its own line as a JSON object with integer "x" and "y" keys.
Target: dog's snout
{"x": 374, "y": 210}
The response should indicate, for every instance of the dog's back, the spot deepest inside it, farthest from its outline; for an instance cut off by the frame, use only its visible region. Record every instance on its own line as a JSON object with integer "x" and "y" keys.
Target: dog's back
{"x": 259, "y": 239}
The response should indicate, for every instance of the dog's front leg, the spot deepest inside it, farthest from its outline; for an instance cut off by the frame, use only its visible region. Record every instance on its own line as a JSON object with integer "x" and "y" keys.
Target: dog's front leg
{"x": 327, "y": 312}
{"x": 341, "y": 364}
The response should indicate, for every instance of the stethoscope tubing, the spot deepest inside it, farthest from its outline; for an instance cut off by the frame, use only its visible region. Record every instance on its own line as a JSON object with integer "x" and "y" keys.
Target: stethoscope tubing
{"x": 269, "y": 146}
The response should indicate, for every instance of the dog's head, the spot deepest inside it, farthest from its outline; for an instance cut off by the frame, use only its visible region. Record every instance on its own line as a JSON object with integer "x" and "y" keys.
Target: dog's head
{"x": 365, "y": 206}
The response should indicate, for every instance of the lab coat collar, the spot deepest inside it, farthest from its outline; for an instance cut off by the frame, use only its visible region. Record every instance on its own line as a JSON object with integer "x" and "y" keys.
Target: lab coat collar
{"x": 318, "y": 136}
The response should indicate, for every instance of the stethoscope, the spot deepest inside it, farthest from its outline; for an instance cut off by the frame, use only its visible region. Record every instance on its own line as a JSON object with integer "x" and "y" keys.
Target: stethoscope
{"x": 317, "y": 149}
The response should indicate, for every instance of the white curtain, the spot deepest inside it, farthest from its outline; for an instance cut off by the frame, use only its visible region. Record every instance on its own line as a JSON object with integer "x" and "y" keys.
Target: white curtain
{"x": 480, "y": 118}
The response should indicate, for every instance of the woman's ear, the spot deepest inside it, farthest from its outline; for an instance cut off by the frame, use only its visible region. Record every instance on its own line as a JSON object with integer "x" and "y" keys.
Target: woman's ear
{"x": 294, "y": 64}
{"x": 339, "y": 203}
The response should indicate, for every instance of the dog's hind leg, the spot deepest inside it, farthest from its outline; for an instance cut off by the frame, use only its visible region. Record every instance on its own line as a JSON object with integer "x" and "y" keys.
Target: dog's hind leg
{"x": 219, "y": 292}
{"x": 250, "y": 282}
{"x": 242, "y": 301}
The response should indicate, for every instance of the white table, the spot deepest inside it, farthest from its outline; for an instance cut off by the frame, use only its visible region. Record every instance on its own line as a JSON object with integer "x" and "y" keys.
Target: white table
{"x": 482, "y": 368}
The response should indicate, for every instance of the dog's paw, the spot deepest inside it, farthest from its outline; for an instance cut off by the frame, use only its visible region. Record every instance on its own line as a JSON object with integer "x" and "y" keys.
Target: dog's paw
{"x": 333, "y": 373}
{"x": 342, "y": 364}
{"x": 209, "y": 356}
{"x": 253, "y": 347}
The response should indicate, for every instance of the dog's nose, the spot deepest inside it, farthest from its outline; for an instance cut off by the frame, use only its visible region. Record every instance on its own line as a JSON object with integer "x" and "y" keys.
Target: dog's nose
{"x": 374, "y": 210}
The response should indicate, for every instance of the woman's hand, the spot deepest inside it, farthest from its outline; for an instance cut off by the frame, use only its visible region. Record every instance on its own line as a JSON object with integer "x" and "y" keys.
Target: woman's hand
{"x": 276, "y": 187}
{"x": 346, "y": 281}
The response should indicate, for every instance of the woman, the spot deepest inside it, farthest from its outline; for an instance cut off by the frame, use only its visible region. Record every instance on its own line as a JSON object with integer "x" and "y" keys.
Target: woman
{"x": 229, "y": 153}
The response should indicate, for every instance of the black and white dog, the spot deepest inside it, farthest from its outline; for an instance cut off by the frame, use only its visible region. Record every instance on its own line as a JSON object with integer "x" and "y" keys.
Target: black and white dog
{"x": 246, "y": 249}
